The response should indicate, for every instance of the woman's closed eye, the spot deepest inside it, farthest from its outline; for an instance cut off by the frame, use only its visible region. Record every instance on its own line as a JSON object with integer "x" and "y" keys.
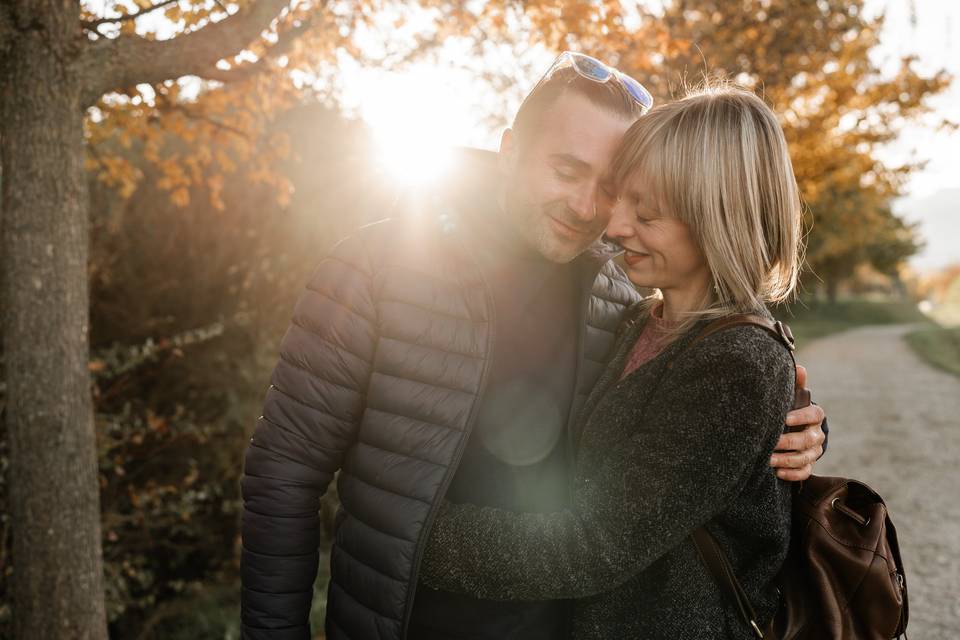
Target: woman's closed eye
{"x": 643, "y": 212}
{"x": 645, "y": 218}
{"x": 644, "y": 215}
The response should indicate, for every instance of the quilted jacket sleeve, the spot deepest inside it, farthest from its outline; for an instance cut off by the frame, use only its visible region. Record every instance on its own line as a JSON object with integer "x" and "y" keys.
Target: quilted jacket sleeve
{"x": 310, "y": 417}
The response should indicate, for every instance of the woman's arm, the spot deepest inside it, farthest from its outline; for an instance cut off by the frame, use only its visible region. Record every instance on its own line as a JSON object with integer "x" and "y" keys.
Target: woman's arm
{"x": 715, "y": 417}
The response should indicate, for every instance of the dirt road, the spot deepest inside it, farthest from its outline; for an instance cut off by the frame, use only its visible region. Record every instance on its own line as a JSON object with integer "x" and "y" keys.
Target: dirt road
{"x": 895, "y": 424}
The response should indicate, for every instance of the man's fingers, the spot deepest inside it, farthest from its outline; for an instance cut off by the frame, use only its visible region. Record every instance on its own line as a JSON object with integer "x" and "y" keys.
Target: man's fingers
{"x": 795, "y": 475}
{"x": 800, "y": 440}
{"x": 811, "y": 415}
{"x": 796, "y": 459}
{"x": 801, "y": 377}
{"x": 799, "y": 450}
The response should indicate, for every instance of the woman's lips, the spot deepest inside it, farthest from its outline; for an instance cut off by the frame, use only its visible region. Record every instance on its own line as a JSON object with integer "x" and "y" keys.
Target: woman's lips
{"x": 633, "y": 257}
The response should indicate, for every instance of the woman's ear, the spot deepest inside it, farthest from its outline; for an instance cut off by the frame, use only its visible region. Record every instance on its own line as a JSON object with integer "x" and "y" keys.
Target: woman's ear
{"x": 507, "y": 160}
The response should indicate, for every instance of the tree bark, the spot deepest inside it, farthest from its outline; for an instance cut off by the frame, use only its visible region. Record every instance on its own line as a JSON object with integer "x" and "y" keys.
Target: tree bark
{"x": 49, "y": 72}
{"x": 117, "y": 63}
{"x": 54, "y": 493}
{"x": 832, "y": 286}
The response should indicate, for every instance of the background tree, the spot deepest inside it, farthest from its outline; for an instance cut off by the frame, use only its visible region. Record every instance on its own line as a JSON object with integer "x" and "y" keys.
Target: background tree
{"x": 51, "y": 69}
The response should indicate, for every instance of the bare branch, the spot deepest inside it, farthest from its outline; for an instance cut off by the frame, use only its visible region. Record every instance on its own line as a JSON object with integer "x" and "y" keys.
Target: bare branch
{"x": 129, "y": 59}
{"x": 195, "y": 115}
{"x": 93, "y": 24}
{"x": 284, "y": 44}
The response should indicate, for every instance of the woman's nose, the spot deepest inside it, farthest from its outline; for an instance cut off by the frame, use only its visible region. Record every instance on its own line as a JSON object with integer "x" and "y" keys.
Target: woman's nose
{"x": 619, "y": 225}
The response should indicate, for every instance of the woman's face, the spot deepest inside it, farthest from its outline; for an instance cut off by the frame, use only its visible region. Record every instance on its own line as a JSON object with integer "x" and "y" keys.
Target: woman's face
{"x": 660, "y": 250}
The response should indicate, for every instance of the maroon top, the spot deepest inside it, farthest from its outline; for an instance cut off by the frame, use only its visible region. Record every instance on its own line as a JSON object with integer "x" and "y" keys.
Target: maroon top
{"x": 652, "y": 340}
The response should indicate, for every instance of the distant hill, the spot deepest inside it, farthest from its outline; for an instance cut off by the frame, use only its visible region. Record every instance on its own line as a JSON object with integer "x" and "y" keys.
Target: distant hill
{"x": 939, "y": 218}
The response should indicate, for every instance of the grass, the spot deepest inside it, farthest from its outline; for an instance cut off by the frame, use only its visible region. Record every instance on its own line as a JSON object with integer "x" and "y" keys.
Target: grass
{"x": 814, "y": 319}
{"x": 947, "y": 314}
{"x": 938, "y": 346}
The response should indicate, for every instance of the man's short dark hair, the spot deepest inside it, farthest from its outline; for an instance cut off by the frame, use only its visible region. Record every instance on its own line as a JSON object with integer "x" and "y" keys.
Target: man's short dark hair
{"x": 611, "y": 95}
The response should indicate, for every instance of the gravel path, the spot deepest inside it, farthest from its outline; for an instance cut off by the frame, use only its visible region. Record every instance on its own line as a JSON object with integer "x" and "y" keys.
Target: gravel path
{"x": 895, "y": 424}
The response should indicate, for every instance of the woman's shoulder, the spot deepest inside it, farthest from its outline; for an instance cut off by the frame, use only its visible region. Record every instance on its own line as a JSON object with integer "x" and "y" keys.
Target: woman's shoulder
{"x": 742, "y": 349}
{"x": 743, "y": 373}
{"x": 745, "y": 338}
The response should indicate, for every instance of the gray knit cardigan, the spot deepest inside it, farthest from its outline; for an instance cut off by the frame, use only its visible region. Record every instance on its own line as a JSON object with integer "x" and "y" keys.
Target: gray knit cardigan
{"x": 660, "y": 453}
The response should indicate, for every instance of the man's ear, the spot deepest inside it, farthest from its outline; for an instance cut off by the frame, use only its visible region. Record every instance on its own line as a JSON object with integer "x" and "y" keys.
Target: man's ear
{"x": 507, "y": 160}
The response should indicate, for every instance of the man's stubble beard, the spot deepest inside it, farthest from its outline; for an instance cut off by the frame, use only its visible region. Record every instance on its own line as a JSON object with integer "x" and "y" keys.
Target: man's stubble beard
{"x": 531, "y": 221}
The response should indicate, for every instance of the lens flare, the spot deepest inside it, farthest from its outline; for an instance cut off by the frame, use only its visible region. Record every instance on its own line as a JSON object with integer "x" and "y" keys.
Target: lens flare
{"x": 414, "y": 116}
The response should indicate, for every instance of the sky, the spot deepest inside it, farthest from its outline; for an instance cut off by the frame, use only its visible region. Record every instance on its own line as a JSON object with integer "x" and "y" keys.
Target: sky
{"x": 933, "y": 194}
{"x": 935, "y": 39}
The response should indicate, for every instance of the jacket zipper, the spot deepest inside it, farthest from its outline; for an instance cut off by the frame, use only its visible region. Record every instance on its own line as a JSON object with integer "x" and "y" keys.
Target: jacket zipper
{"x": 455, "y": 463}
{"x": 572, "y": 436}
{"x": 471, "y": 420}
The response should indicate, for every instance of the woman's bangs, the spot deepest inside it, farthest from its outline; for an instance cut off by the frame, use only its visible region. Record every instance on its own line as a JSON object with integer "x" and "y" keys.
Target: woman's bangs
{"x": 645, "y": 159}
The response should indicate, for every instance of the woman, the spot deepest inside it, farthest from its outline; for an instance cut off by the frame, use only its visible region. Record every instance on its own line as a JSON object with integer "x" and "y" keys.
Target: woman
{"x": 672, "y": 438}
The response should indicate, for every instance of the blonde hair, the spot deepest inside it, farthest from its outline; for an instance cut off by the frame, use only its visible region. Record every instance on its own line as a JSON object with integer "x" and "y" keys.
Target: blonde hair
{"x": 717, "y": 159}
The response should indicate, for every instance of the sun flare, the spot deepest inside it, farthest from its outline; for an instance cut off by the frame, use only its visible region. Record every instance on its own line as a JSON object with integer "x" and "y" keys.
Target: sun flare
{"x": 416, "y": 118}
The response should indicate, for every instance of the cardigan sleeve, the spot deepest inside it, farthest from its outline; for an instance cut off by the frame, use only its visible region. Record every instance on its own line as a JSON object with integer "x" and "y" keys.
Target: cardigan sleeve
{"x": 712, "y": 424}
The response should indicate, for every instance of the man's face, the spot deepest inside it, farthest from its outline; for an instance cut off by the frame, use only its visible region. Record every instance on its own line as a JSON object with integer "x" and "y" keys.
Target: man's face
{"x": 557, "y": 192}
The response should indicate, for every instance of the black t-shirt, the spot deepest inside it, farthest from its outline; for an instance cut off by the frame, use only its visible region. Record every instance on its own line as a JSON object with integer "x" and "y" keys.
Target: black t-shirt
{"x": 515, "y": 457}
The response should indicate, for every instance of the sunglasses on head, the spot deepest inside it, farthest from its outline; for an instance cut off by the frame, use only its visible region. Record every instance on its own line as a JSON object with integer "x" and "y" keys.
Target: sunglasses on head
{"x": 592, "y": 69}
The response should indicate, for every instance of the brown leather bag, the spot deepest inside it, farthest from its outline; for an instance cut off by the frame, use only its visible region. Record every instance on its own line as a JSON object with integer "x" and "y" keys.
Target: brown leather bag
{"x": 843, "y": 578}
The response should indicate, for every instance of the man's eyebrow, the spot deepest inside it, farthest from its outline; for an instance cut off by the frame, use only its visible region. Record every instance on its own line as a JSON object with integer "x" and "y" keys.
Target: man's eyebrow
{"x": 571, "y": 160}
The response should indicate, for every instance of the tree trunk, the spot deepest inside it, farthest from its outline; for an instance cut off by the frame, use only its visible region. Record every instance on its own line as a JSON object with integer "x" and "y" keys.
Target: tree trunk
{"x": 54, "y": 492}
{"x": 832, "y": 285}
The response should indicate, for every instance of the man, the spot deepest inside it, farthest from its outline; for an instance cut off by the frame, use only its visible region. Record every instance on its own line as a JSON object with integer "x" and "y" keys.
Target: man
{"x": 445, "y": 354}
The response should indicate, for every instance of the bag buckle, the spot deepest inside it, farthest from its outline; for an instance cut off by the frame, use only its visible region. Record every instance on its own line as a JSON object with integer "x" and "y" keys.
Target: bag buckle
{"x": 786, "y": 334}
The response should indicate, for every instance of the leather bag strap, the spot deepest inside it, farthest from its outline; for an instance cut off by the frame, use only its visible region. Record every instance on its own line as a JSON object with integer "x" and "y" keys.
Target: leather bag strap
{"x": 777, "y": 329}
{"x": 719, "y": 567}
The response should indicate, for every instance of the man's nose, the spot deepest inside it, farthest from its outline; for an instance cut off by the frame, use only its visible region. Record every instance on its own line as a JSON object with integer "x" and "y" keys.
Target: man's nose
{"x": 584, "y": 205}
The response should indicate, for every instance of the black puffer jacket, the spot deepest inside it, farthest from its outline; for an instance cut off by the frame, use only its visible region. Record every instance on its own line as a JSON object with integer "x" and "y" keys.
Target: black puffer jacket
{"x": 379, "y": 376}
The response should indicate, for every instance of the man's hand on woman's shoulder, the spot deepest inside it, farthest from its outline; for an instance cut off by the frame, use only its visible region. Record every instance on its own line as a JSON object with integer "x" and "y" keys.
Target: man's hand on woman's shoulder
{"x": 798, "y": 451}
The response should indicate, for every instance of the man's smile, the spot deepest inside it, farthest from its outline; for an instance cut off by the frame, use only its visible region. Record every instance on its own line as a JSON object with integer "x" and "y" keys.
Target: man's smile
{"x": 567, "y": 230}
